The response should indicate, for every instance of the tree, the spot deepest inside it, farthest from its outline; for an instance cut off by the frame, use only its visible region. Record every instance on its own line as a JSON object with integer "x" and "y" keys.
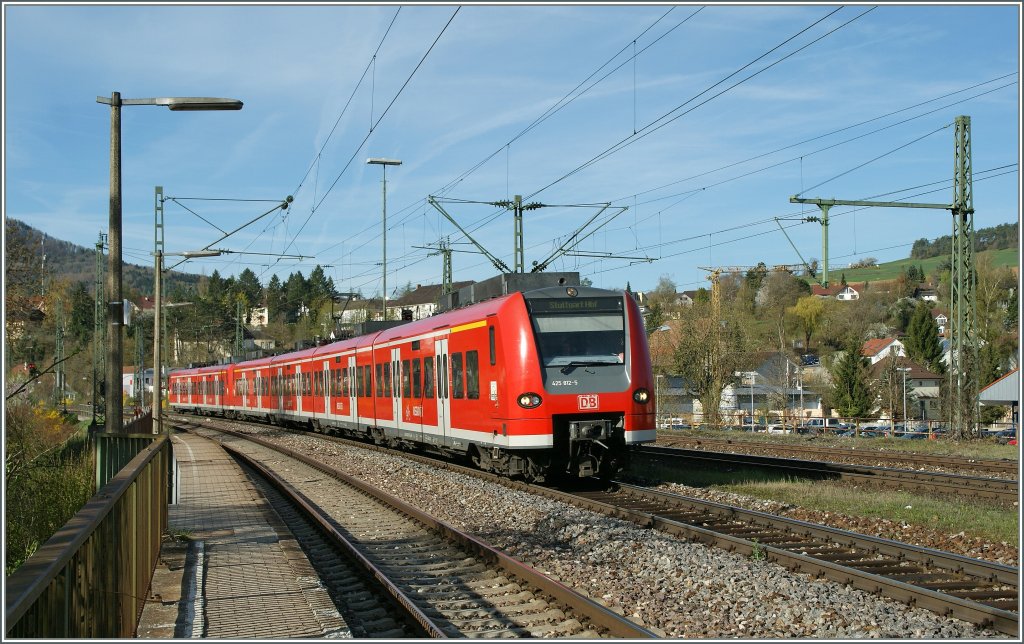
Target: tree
{"x": 851, "y": 388}
{"x": 80, "y": 325}
{"x": 755, "y": 276}
{"x": 779, "y": 291}
{"x": 923, "y": 339}
{"x": 248, "y": 286}
{"x": 706, "y": 353}
{"x": 808, "y": 310}
{"x": 274, "y": 298}
{"x": 890, "y": 392}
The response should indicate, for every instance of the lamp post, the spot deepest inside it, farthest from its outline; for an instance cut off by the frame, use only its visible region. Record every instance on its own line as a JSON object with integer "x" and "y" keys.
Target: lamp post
{"x": 384, "y": 163}
{"x": 115, "y": 312}
{"x": 904, "y": 370}
{"x": 657, "y": 400}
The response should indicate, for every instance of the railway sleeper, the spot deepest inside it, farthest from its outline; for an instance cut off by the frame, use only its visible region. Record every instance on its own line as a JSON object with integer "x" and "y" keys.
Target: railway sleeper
{"x": 478, "y": 613}
{"x": 471, "y": 604}
{"x": 978, "y": 595}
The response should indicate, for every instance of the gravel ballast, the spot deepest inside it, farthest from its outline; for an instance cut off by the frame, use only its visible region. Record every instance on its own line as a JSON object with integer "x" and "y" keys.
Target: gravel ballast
{"x": 678, "y": 588}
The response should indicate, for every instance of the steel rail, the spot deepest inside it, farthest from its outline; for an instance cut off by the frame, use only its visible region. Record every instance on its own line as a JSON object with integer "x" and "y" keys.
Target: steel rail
{"x": 1004, "y": 466}
{"x": 311, "y": 511}
{"x": 615, "y": 624}
{"x": 1003, "y": 490}
{"x": 658, "y": 513}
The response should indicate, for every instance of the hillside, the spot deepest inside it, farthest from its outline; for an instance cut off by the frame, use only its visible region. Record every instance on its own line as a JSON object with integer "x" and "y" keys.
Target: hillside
{"x": 892, "y": 270}
{"x": 76, "y": 263}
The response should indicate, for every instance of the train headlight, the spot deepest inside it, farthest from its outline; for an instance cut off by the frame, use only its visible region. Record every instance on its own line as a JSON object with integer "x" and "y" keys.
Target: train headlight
{"x": 641, "y": 396}
{"x": 528, "y": 400}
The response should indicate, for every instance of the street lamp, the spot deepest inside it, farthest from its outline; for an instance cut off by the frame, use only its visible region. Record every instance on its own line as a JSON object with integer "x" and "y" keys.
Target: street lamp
{"x": 115, "y": 313}
{"x": 384, "y": 163}
{"x": 904, "y": 370}
{"x": 657, "y": 400}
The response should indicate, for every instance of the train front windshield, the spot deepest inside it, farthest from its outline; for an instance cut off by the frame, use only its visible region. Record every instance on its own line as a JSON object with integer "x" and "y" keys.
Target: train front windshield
{"x": 580, "y": 331}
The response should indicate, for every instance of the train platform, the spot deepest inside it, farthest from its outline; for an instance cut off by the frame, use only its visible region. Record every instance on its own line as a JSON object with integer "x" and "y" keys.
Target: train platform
{"x": 231, "y": 569}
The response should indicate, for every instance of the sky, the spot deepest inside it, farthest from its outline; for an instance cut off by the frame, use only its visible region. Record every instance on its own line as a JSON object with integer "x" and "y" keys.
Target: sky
{"x": 694, "y": 124}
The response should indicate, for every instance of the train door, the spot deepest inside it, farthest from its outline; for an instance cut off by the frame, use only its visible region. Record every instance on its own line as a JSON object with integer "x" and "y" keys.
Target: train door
{"x": 299, "y": 388}
{"x": 326, "y": 388}
{"x": 353, "y": 416}
{"x": 396, "y": 388}
{"x": 444, "y": 412}
{"x": 280, "y": 390}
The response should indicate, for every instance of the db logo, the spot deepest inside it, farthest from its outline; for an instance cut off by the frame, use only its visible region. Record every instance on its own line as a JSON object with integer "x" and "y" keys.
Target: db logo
{"x": 588, "y": 402}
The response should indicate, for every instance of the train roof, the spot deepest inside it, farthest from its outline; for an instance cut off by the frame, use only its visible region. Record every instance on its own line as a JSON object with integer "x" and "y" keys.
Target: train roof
{"x": 452, "y": 318}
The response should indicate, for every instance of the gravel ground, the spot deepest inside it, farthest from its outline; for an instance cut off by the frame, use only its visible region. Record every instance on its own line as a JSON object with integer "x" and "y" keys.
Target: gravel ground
{"x": 677, "y": 588}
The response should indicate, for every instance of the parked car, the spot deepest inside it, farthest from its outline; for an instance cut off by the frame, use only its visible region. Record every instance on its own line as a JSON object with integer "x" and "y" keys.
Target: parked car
{"x": 819, "y": 425}
{"x": 875, "y": 431}
{"x": 778, "y": 429}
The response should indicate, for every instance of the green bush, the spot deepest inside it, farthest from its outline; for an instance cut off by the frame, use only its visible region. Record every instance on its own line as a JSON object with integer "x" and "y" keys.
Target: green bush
{"x": 49, "y": 477}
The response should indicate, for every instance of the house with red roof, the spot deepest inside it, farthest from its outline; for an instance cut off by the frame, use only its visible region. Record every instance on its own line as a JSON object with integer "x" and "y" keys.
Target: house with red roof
{"x": 879, "y": 348}
{"x": 842, "y": 292}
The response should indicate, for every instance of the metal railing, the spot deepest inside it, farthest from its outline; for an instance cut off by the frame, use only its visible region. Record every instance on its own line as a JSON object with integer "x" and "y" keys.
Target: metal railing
{"x": 91, "y": 578}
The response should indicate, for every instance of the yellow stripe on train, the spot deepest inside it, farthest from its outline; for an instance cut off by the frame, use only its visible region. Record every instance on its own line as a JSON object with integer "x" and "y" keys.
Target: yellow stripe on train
{"x": 467, "y": 327}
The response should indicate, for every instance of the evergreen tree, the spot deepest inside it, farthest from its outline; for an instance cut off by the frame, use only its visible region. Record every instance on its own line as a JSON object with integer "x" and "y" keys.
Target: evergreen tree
{"x": 851, "y": 391}
{"x": 80, "y": 325}
{"x": 274, "y": 297}
{"x": 248, "y": 285}
{"x": 923, "y": 339}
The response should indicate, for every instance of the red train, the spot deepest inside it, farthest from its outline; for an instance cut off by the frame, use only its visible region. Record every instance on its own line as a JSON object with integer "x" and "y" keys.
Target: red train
{"x": 535, "y": 384}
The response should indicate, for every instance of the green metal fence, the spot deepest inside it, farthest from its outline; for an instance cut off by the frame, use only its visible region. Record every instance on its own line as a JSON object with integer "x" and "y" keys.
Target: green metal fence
{"x": 92, "y": 577}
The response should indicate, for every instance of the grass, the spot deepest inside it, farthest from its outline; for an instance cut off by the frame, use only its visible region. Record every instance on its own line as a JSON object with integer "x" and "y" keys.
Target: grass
{"x": 980, "y": 448}
{"x": 946, "y": 514}
{"x": 951, "y": 516}
{"x": 892, "y": 270}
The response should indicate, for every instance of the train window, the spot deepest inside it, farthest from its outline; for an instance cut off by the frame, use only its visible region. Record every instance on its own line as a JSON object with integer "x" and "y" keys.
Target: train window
{"x": 442, "y": 375}
{"x": 380, "y": 379}
{"x": 416, "y": 389}
{"x": 368, "y": 380}
{"x": 428, "y": 377}
{"x": 344, "y": 382}
{"x": 457, "y": 387}
{"x": 490, "y": 342}
{"x": 472, "y": 375}
{"x": 406, "y": 384}
{"x": 388, "y": 378}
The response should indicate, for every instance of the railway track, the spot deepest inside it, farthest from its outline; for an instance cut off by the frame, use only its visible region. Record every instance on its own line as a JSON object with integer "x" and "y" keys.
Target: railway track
{"x": 1002, "y": 468}
{"x": 977, "y": 591}
{"x": 446, "y": 583}
{"x": 1004, "y": 491}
